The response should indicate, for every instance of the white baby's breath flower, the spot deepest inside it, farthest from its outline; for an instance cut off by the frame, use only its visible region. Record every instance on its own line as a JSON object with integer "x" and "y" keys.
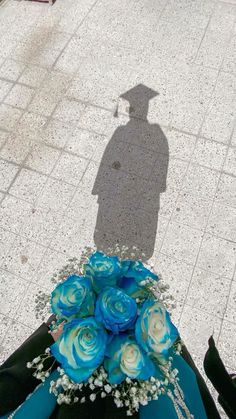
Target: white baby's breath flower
{"x": 82, "y": 400}
{"x": 92, "y": 386}
{"x": 107, "y": 388}
{"x": 92, "y": 397}
{"x": 103, "y": 394}
{"x": 97, "y": 382}
{"x": 29, "y": 365}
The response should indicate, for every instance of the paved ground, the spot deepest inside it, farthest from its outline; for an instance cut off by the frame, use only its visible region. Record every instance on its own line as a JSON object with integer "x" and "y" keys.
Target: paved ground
{"x": 78, "y": 165}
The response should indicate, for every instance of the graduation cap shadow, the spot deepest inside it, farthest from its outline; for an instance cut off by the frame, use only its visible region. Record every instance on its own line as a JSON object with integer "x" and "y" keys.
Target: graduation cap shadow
{"x": 130, "y": 179}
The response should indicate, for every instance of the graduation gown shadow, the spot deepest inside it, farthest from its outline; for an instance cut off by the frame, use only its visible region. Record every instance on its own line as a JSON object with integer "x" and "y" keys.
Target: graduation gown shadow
{"x": 130, "y": 179}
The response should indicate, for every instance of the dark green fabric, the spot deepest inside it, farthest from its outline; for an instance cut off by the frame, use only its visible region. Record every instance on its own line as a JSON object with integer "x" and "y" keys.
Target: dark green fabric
{"x": 221, "y": 380}
{"x": 16, "y": 380}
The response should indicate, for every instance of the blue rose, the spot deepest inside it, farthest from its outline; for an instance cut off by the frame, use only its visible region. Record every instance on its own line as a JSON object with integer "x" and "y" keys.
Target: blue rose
{"x": 124, "y": 358}
{"x": 116, "y": 310}
{"x": 132, "y": 280}
{"x": 154, "y": 331}
{"x": 81, "y": 348}
{"x": 73, "y": 297}
{"x": 103, "y": 270}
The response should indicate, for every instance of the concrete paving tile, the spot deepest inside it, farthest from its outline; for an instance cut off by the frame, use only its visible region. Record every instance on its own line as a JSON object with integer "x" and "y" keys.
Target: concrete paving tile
{"x": 217, "y": 255}
{"x": 70, "y": 168}
{"x": 45, "y": 101}
{"x": 42, "y": 158}
{"x": 100, "y": 120}
{"x": 208, "y": 292}
{"x": 224, "y": 96}
{"x": 17, "y": 333}
{"x": 69, "y": 111}
{"x": 227, "y": 344}
{"x": 3, "y": 137}
{"x": 182, "y": 242}
{"x": 88, "y": 180}
{"x": 212, "y": 50}
{"x": 191, "y": 210}
{"x": 229, "y": 62}
{"x": 168, "y": 173}
{"x": 28, "y": 185}
{"x": 230, "y": 313}
{"x": 87, "y": 144}
{"x": 72, "y": 57}
{"x": 200, "y": 181}
{"x": 31, "y": 123}
{"x": 58, "y": 133}
{"x": 50, "y": 264}
{"x": 27, "y": 312}
{"x": 12, "y": 213}
{"x": 204, "y": 8}
{"x": 209, "y": 153}
{"x": 12, "y": 289}
{"x": 55, "y": 195}
{"x": 4, "y": 325}
{"x": 222, "y": 222}
{"x": 20, "y": 96}
{"x": 196, "y": 327}
{"x": 5, "y": 87}
{"x": 176, "y": 274}
{"x": 194, "y": 94}
{"x": 23, "y": 258}
{"x": 233, "y": 139}
{"x": 102, "y": 77}
{"x": 180, "y": 145}
{"x": 223, "y": 18}
{"x": 6, "y": 240}
{"x": 7, "y": 173}
{"x": 11, "y": 70}
{"x": 218, "y": 126}
{"x": 81, "y": 203}
{"x": 226, "y": 192}
{"x": 41, "y": 224}
{"x": 230, "y": 163}
{"x": 74, "y": 15}
{"x": 33, "y": 76}
{"x": 17, "y": 147}
{"x": 9, "y": 117}
{"x": 72, "y": 237}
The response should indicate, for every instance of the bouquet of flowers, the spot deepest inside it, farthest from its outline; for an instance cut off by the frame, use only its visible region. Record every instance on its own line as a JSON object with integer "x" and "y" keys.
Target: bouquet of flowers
{"x": 118, "y": 338}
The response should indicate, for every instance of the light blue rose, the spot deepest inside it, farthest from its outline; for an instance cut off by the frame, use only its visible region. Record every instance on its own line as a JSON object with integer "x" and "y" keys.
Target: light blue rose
{"x": 73, "y": 297}
{"x": 154, "y": 331}
{"x": 81, "y": 348}
{"x": 116, "y": 310}
{"x": 125, "y": 358}
{"x": 134, "y": 274}
{"x": 103, "y": 270}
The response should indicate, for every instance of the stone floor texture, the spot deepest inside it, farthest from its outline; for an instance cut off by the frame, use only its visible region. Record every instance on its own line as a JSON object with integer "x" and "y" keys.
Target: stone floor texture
{"x": 82, "y": 165}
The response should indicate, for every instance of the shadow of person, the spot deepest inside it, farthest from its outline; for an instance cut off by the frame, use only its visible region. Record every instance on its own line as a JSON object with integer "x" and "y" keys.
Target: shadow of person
{"x": 130, "y": 179}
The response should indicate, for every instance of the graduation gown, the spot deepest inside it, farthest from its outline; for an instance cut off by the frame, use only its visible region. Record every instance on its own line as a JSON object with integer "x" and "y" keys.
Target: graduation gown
{"x": 17, "y": 382}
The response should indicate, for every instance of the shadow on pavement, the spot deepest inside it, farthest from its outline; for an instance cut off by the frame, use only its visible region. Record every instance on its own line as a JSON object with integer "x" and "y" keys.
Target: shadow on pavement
{"x": 130, "y": 179}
